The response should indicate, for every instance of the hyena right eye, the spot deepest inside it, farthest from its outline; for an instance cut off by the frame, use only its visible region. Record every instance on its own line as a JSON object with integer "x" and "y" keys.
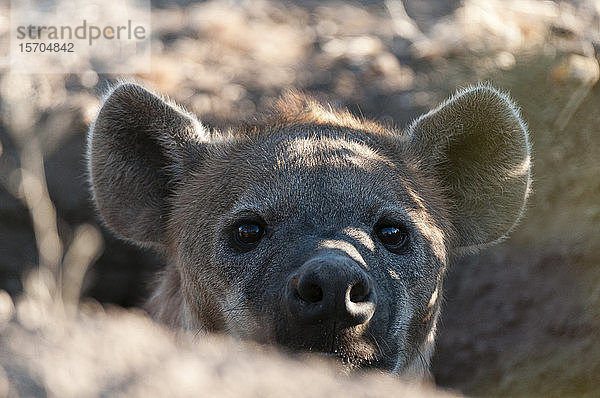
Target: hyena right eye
{"x": 247, "y": 235}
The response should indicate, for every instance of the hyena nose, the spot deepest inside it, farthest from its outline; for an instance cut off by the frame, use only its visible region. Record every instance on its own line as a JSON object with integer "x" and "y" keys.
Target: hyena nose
{"x": 331, "y": 287}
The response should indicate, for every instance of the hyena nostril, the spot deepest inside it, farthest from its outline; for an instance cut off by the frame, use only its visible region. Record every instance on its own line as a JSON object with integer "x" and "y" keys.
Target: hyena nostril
{"x": 310, "y": 292}
{"x": 359, "y": 292}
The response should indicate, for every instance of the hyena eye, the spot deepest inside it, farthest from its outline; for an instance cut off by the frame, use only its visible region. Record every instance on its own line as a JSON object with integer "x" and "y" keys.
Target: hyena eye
{"x": 394, "y": 238}
{"x": 247, "y": 235}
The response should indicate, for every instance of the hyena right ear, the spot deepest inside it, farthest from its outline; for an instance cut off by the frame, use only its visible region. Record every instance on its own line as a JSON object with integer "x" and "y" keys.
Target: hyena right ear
{"x": 478, "y": 147}
{"x": 138, "y": 147}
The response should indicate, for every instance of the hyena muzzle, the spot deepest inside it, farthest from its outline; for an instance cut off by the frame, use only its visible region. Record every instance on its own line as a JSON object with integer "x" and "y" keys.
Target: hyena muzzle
{"x": 310, "y": 228}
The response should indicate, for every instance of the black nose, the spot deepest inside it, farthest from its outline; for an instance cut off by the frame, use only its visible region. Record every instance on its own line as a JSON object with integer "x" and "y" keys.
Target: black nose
{"x": 331, "y": 287}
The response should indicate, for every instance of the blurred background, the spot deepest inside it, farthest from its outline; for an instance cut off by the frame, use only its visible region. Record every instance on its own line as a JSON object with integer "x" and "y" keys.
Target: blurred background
{"x": 520, "y": 319}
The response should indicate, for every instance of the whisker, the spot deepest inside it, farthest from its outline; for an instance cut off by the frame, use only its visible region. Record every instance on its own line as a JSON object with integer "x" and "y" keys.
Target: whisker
{"x": 374, "y": 339}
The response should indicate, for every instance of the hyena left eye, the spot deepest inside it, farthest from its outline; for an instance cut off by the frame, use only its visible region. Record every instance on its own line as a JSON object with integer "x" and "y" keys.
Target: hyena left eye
{"x": 248, "y": 235}
{"x": 394, "y": 238}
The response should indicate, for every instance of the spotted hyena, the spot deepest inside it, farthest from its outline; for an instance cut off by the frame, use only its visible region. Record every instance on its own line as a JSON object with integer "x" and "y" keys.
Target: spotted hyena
{"x": 311, "y": 228}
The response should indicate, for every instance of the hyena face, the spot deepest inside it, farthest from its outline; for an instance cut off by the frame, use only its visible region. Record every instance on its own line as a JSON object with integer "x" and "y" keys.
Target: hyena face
{"x": 312, "y": 229}
{"x": 307, "y": 250}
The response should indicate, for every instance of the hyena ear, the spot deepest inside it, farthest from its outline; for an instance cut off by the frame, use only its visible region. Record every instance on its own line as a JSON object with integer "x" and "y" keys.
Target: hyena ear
{"x": 138, "y": 148}
{"x": 478, "y": 147}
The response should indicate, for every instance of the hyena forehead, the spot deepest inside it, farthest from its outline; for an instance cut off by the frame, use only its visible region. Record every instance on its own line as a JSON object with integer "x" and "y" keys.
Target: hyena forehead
{"x": 319, "y": 145}
{"x": 329, "y": 173}
{"x": 309, "y": 145}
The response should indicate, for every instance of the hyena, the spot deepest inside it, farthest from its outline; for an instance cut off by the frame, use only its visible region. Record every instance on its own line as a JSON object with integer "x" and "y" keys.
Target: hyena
{"x": 310, "y": 228}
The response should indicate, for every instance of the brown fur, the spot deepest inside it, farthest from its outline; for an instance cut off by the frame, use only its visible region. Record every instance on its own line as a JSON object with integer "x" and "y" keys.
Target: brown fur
{"x": 295, "y": 108}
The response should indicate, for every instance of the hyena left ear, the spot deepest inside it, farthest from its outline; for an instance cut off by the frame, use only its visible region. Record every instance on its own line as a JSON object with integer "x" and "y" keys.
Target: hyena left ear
{"x": 139, "y": 147}
{"x": 476, "y": 144}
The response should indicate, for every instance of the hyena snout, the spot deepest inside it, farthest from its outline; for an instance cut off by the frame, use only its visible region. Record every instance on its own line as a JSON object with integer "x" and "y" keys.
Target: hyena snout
{"x": 331, "y": 287}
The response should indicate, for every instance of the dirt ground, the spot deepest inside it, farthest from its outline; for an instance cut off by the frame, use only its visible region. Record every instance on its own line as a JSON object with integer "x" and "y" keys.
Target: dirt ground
{"x": 521, "y": 318}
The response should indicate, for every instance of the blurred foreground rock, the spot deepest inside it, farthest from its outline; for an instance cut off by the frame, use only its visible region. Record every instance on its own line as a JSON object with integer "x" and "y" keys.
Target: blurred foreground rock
{"x": 118, "y": 353}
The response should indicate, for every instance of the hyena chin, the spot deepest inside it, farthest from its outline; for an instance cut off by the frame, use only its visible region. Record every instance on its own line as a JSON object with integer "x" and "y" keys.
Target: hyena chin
{"x": 310, "y": 229}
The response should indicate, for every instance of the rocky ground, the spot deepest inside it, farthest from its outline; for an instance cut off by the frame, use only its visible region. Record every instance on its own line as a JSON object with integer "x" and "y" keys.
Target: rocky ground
{"x": 520, "y": 319}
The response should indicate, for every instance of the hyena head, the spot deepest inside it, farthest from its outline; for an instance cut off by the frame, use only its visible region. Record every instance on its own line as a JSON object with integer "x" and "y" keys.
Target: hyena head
{"x": 310, "y": 229}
